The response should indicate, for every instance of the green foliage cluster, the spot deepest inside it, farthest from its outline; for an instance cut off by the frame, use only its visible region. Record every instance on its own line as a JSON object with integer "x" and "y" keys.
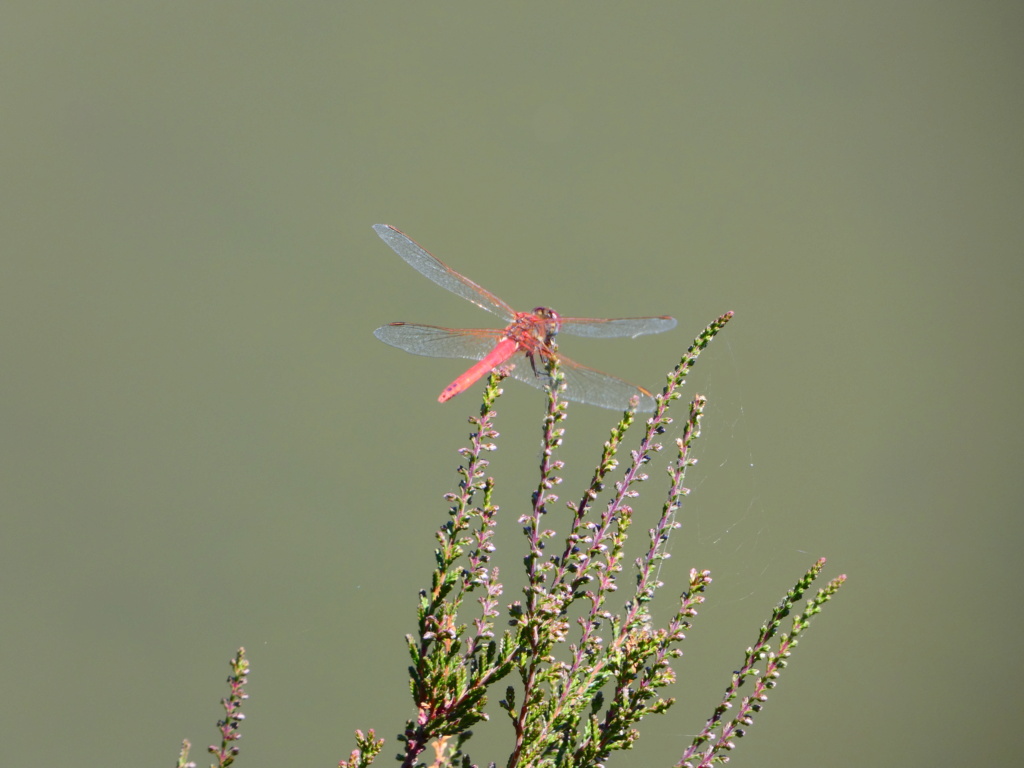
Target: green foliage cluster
{"x": 576, "y": 695}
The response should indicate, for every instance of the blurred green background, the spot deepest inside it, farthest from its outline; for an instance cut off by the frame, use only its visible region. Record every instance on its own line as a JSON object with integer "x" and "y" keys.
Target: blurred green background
{"x": 205, "y": 447}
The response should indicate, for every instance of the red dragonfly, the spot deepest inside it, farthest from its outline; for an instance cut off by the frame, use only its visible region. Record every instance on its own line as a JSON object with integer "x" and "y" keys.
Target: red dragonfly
{"x": 524, "y": 342}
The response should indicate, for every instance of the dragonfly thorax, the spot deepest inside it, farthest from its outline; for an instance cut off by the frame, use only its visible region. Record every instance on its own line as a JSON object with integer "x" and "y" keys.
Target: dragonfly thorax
{"x": 533, "y": 331}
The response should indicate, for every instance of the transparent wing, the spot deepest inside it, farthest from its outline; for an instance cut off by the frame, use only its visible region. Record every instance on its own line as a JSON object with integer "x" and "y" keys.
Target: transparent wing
{"x": 622, "y": 326}
{"x": 433, "y": 268}
{"x": 432, "y": 341}
{"x": 585, "y": 385}
{"x": 582, "y": 384}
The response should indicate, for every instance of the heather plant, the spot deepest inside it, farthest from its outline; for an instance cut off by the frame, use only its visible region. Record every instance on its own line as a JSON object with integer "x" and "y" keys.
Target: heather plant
{"x": 578, "y": 660}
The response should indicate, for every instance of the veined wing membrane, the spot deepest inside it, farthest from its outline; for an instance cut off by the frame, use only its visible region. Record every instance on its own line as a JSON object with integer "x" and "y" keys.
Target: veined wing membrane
{"x": 434, "y": 341}
{"x": 616, "y": 327}
{"x": 584, "y": 385}
{"x": 433, "y": 268}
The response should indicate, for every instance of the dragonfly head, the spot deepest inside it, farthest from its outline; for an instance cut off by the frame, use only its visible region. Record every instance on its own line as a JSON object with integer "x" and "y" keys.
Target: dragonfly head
{"x": 551, "y": 318}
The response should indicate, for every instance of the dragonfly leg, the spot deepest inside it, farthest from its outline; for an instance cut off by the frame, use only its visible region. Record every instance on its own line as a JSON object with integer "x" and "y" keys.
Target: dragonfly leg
{"x": 540, "y": 372}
